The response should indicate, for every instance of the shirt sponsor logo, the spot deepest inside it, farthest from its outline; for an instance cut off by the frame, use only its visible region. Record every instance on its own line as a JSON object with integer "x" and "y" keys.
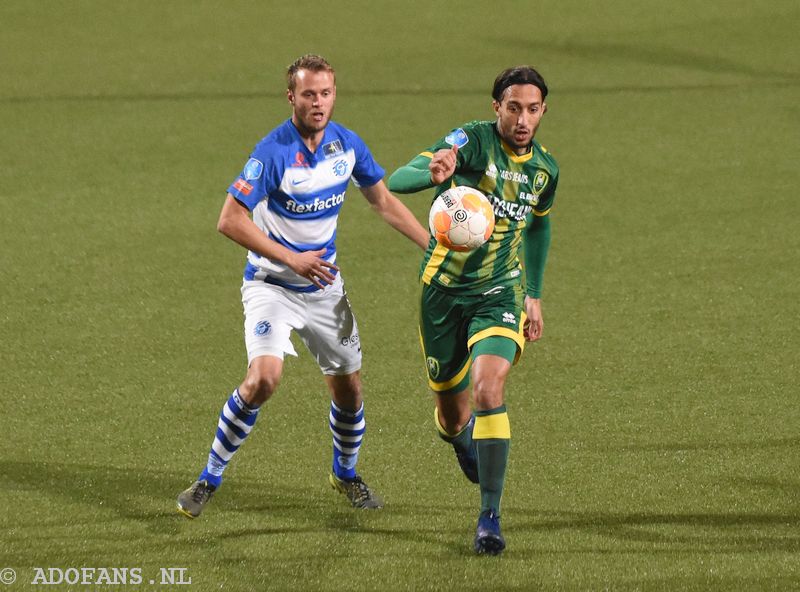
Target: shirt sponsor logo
{"x": 458, "y": 137}
{"x": 540, "y": 182}
{"x": 509, "y": 209}
{"x": 332, "y": 149}
{"x": 514, "y": 176}
{"x": 528, "y": 198}
{"x": 243, "y": 186}
{"x": 253, "y": 169}
{"x": 316, "y": 205}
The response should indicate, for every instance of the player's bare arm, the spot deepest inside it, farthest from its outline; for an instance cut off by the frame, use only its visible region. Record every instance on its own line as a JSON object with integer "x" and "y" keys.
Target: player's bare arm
{"x": 443, "y": 165}
{"x": 534, "y": 324}
{"x": 235, "y": 223}
{"x": 395, "y": 213}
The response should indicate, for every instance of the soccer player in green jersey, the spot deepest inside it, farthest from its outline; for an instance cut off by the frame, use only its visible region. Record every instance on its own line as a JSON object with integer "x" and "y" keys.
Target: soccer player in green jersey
{"x": 479, "y": 307}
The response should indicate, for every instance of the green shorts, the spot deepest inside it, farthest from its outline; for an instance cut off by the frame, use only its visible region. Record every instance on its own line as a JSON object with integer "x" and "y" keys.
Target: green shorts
{"x": 451, "y": 324}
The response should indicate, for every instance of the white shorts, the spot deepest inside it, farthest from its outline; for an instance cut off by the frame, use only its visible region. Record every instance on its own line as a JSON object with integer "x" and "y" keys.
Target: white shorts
{"x": 323, "y": 320}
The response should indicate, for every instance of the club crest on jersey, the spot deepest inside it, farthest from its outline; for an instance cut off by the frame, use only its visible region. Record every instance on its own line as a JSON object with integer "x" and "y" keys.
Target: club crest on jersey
{"x": 540, "y": 182}
{"x": 332, "y": 148}
{"x": 433, "y": 367}
{"x": 340, "y": 168}
{"x": 253, "y": 169}
{"x": 458, "y": 137}
{"x": 262, "y": 328}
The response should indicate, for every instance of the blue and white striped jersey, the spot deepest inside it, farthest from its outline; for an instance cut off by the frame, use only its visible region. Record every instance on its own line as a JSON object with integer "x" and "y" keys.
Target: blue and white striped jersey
{"x": 295, "y": 195}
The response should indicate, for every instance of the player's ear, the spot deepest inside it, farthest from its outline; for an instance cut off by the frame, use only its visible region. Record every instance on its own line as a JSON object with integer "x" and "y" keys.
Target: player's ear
{"x": 290, "y": 96}
{"x": 496, "y": 107}
{"x": 544, "y": 108}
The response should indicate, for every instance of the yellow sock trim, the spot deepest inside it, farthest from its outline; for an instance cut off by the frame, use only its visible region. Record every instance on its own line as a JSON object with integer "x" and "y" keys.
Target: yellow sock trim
{"x": 438, "y": 423}
{"x": 442, "y": 430}
{"x": 492, "y": 426}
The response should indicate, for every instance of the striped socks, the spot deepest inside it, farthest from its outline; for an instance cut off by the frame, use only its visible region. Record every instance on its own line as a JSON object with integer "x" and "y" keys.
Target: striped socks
{"x": 348, "y": 429}
{"x": 235, "y": 422}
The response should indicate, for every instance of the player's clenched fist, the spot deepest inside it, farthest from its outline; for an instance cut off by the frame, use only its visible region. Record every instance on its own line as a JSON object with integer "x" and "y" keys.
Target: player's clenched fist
{"x": 443, "y": 165}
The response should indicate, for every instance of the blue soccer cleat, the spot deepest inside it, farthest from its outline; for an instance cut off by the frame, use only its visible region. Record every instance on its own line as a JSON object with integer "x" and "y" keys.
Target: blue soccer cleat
{"x": 488, "y": 540}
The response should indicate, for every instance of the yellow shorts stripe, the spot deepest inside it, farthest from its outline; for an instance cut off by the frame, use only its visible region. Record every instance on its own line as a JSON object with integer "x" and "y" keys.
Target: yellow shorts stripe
{"x": 492, "y": 426}
{"x": 443, "y": 386}
{"x": 426, "y": 153}
{"x": 516, "y": 336}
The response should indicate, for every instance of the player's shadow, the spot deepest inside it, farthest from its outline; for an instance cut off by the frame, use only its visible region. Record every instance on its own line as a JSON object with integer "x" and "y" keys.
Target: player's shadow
{"x": 146, "y": 496}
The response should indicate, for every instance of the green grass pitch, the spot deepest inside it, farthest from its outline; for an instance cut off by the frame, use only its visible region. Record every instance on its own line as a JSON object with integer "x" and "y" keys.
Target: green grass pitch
{"x": 656, "y": 430}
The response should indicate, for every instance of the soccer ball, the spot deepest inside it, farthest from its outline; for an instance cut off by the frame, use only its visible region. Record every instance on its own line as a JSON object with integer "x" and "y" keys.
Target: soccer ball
{"x": 461, "y": 219}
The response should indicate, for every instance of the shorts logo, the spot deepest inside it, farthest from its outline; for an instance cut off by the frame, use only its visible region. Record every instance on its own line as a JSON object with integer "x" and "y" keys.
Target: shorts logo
{"x": 540, "y": 182}
{"x": 352, "y": 341}
{"x": 252, "y": 170}
{"x": 433, "y": 367}
{"x": 510, "y": 318}
{"x": 262, "y": 328}
{"x": 458, "y": 137}
{"x": 340, "y": 168}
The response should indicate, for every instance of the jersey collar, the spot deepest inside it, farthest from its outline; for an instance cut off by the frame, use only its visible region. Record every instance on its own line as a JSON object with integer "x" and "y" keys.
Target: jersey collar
{"x": 513, "y": 155}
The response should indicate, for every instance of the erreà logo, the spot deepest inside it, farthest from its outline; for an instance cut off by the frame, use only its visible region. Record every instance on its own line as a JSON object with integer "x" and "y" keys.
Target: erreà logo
{"x": 540, "y": 182}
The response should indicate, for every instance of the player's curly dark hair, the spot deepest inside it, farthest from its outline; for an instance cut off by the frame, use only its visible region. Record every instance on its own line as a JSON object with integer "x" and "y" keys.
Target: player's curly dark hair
{"x": 311, "y": 62}
{"x": 517, "y": 75}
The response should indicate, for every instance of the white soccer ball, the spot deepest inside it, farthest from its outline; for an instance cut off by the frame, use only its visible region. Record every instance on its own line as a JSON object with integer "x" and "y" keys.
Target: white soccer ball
{"x": 461, "y": 219}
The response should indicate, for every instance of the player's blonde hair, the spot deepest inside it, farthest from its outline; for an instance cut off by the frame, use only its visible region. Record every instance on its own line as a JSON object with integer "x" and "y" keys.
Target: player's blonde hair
{"x": 311, "y": 62}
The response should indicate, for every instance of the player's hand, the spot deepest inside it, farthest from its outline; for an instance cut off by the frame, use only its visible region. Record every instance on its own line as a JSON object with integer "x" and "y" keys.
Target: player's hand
{"x": 534, "y": 324}
{"x": 443, "y": 165}
{"x": 311, "y": 266}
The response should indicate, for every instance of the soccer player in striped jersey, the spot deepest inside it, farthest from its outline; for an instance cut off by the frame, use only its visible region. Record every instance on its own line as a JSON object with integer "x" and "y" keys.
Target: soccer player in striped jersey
{"x": 283, "y": 209}
{"x": 479, "y": 307}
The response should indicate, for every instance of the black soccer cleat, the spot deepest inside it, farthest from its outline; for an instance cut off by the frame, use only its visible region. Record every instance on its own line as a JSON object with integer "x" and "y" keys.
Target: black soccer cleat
{"x": 359, "y": 494}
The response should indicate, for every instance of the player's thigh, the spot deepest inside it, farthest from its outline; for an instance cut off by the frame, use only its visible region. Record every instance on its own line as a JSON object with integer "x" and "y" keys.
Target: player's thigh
{"x": 270, "y": 315}
{"x": 498, "y": 315}
{"x": 443, "y": 335}
{"x": 330, "y": 331}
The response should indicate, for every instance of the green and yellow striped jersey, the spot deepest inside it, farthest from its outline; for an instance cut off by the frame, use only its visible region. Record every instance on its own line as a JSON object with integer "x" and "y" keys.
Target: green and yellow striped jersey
{"x": 518, "y": 186}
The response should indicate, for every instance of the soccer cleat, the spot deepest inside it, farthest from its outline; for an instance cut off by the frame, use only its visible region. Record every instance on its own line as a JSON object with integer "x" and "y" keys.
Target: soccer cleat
{"x": 488, "y": 540}
{"x": 192, "y": 501}
{"x": 359, "y": 494}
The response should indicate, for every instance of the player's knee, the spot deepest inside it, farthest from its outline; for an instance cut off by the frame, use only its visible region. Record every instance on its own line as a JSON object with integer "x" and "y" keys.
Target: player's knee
{"x": 487, "y": 391}
{"x": 257, "y": 388}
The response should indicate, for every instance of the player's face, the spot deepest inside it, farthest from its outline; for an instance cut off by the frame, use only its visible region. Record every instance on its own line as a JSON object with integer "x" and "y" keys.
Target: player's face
{"x": 518, "y": 115}
{"x": 312, "y": 100}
